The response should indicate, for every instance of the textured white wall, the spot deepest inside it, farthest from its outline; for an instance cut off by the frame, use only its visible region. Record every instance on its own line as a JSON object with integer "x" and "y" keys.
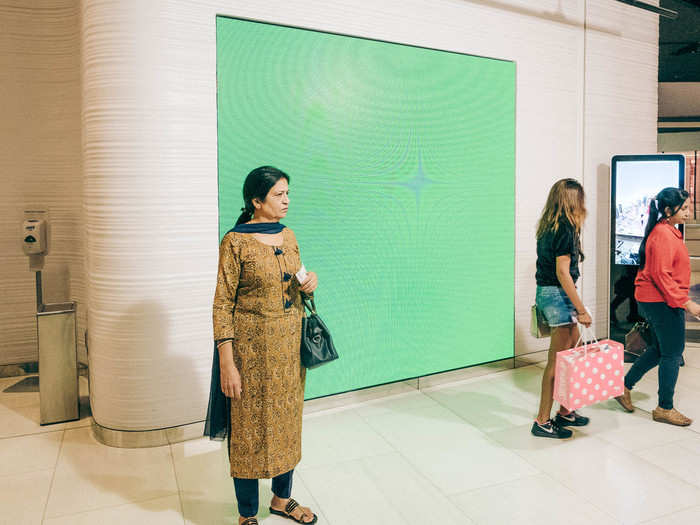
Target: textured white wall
{"x": 621, "y": 118}
{"x": 586, "y": 88}
{"x": 40, "y": 163}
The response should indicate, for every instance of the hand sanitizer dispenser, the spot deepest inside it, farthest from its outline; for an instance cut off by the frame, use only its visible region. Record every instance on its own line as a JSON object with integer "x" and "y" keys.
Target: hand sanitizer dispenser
{"x": 34, "y": 237}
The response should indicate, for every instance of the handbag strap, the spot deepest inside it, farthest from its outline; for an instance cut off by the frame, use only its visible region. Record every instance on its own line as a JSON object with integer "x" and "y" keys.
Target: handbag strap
{"x": 311, "y": 307}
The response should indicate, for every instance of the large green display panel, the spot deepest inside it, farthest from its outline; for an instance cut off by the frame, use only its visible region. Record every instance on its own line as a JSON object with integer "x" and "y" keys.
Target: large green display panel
{"x": 402, "y": 166}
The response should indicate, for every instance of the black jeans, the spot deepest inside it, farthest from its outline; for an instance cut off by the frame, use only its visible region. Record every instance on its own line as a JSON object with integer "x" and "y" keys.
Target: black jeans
{"x": 666, "y": 349}
{"x": 247, "y": 492}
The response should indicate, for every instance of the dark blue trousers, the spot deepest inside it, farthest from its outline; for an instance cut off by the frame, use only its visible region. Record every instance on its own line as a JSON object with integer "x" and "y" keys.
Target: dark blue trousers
{"x": 666, "y": 349}
{"x": 247, "y": 492}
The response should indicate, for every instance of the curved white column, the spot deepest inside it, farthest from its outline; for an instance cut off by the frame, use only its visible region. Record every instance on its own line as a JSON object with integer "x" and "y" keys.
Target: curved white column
{"x": 149, "y": 120}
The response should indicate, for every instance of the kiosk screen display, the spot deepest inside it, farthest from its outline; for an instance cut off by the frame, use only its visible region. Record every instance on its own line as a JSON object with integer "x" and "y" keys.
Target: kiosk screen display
{"x": 636, "y": 182}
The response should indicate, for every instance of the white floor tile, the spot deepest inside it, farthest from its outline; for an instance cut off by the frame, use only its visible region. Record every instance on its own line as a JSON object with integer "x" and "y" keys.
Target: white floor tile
{"x": 609, "y": 415}
{"x": 644, "y": 394}
{"x": 29, "y": 453}
{"x": 383, "y": 490}
{"x": 465, "y": 374}
{"x": 80, "y": 423}
{"x": 434, "y": 427}
{"x": 527, "y": 500}
{"x": 527, "y": 378}
{"x": 199, "y": 458}
{"x": 204, "y": 480}
{"x": 617, "y": 481}
{"x": 401, "y": 403}
{"x": 689, "y": 516}
{"x": 23, "y": 497}
{"x": 488, "y": 405}
{"x": 23, "y": 394}
{"x": 105, "y": 476}
{"x": 473, "y": 463}
{"x": 338, "y": 437}
{"x": 691, "y": 443}
{"x": 359, "y": 397}
{"x": 674, "y": 458}
{"x": 23, "y": 420}
{"x": 161, "y": 511}
{"x": 689, "y": 377}
{"x": 19, "y": 411}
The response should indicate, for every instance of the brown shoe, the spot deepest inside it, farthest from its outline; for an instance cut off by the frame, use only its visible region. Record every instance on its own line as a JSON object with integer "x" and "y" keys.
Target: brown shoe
{"x": 672, "y": 417}
{"x": 625, "y": 401}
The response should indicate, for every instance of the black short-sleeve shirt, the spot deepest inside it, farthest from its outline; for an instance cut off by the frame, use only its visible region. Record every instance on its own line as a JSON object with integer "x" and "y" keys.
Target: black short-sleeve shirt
{"x": 565, "y": 241}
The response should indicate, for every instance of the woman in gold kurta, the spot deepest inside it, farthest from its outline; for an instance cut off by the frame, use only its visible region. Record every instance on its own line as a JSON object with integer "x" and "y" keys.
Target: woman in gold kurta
{"x": 257, "y": 328}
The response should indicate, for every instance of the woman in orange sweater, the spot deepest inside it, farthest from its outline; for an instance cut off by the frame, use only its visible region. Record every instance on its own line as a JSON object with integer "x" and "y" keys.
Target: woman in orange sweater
{"x": 661, "y": 289}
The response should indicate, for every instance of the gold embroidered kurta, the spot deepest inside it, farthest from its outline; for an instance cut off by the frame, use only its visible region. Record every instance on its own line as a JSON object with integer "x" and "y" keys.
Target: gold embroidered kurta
{"x": 258, "y": 305}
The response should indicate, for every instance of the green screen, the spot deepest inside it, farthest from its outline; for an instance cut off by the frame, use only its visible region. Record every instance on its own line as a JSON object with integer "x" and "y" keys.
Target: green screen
{"x": 402, "y": 167}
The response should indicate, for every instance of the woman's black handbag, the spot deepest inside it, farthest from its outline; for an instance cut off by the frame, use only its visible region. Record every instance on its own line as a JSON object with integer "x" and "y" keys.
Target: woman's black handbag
{"x": 637, "y": 339}
{"x": 316, "y": 343}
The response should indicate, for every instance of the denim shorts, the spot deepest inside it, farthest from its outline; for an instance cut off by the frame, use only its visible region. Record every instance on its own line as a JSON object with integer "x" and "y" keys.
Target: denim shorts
{"x": 556, "y": 306}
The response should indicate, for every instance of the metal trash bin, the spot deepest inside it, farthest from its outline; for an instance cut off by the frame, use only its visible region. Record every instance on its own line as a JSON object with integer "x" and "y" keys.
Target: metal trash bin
{"x": 58, "y": 363}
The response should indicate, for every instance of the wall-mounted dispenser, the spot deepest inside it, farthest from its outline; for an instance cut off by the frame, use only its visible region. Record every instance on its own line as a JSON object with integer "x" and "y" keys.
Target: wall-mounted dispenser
{"x": 34, "y": 237}
{"x": 35, "y": 240}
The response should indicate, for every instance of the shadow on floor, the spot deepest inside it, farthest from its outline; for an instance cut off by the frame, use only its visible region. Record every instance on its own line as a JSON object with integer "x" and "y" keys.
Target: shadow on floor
{"x": 26, "y": 385}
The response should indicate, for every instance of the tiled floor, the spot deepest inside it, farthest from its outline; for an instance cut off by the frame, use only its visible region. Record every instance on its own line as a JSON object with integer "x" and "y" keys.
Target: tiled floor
{"x": 459, "y": 453}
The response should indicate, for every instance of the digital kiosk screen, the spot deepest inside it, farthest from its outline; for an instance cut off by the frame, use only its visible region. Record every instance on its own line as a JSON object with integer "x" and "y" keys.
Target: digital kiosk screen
{"x": 637, "y": 180}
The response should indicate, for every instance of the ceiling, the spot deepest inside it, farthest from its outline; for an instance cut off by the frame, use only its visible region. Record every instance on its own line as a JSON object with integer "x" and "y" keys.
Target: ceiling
{"x": 679, "y": 42}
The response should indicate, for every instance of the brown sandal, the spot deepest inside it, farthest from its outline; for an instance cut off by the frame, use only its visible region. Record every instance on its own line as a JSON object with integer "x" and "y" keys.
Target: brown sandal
{"x": 250, "y": 521}
{"x": 670, "y": 416}
{"x": 287, "y": 513}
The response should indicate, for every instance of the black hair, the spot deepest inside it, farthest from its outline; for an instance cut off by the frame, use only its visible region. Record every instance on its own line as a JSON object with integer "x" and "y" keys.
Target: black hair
{"x": 672, "y": 198}
{"x": 256, "y": 186}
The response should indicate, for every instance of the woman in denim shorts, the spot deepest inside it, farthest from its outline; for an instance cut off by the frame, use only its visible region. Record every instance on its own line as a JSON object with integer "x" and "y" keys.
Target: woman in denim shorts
{"x": 558, "y": 255}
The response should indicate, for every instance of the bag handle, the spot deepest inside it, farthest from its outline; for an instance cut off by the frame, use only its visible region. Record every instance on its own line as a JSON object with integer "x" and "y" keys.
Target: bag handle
{"x": 312, "y": 306}
{"x": 586, "y": 330}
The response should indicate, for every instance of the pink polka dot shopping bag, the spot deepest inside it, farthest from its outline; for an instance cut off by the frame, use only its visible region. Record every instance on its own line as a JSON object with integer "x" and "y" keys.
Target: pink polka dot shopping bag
{"x": 589, "y": 374}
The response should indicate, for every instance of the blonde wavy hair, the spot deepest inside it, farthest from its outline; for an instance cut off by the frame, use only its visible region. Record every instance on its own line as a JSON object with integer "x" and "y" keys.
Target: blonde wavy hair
{"x": 566, "y": 199}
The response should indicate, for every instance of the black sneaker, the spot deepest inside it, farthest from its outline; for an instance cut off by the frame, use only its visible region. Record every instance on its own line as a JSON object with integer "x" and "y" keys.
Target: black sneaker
{"x": 550, "y": 430}
{"x": 571, "y": 420}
